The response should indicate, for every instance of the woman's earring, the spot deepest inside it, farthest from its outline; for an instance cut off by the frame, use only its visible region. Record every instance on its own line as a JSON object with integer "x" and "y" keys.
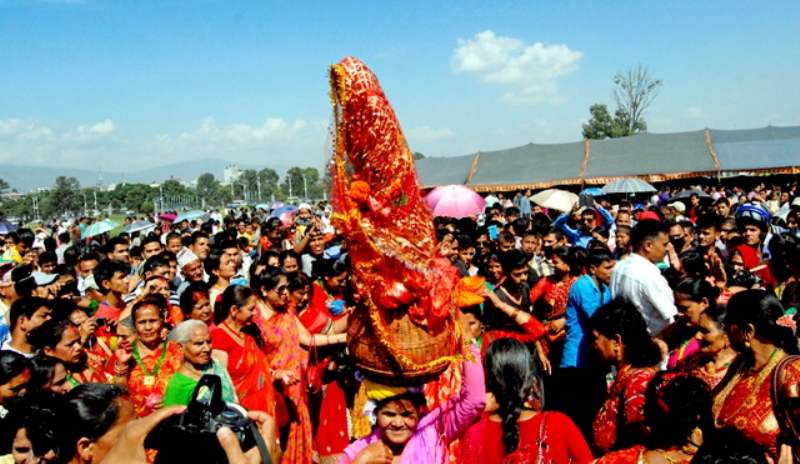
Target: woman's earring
{"x": 747, "y": 344}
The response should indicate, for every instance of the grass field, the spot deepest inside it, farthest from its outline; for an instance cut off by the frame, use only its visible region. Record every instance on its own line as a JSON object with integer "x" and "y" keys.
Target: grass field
{"x": 119, "y": 219}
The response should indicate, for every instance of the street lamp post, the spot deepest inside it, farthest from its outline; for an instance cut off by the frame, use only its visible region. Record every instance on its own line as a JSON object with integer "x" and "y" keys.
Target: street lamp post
{"x": 85, "y": 208}
{"x": 305, "y": 187}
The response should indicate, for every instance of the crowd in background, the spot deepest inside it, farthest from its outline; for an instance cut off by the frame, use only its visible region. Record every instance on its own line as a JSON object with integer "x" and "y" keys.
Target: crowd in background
{"x": 619, "y": 331}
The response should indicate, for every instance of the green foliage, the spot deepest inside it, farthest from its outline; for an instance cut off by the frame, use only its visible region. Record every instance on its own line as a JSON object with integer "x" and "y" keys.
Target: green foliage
{"x": 270, "y": 181}
{"x": 20, "y": 207}
{"x": 132, "y": 196}
{"x": 66, "y": 196}
{"x": 312, "y": 183}
{"x": 3, "y": 185}
{"x": 634, "y": 92}
{"x": 602, "y": 125}
{"x": 208, "y": 188}
{"x": 418, "y": 155}
{"x": 146, "y": 207}
{"x": 173, "y": 188}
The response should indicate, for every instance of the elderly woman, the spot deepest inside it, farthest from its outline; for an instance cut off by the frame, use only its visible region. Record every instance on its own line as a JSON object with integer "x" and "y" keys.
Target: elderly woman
{"x": 145, "y": 368}
{"x": 194, "y": 340}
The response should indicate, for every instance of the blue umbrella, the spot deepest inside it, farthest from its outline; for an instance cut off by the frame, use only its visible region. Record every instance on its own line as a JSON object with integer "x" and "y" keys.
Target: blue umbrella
{"x": 6, "y": 227}
{"x": 113, "y": 224}
{"x": 283, "y": 210}
{"x": 98, "y": 228}
{"x": 593, "y": 191}
{"x": 191, "y": 215}
{"x": 276, "y": 205}
{"x": 263, "y": 206}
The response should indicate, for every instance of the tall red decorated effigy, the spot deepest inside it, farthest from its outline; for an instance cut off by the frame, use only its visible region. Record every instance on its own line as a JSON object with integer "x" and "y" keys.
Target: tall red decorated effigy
{"x": 404, "y": 329}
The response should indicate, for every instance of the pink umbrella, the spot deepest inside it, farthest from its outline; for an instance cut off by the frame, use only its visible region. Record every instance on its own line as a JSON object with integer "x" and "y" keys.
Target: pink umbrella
{"x": 454, "y": 201}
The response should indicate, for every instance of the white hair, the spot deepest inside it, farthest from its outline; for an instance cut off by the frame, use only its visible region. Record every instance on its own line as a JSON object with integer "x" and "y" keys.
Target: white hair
{"x": 185, "y": 330}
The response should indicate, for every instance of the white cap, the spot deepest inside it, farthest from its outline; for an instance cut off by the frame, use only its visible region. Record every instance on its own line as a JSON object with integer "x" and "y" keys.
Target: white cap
{"x": 43, "y": 279}
{"x": 678, "y": 206}
{"x": 305, "y": 206}
{"x": 186, "y": 256}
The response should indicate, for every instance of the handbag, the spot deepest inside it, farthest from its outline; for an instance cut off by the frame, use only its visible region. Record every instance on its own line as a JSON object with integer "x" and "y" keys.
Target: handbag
{"x": 788, "y": 432}
{"x": 315, "y": 369}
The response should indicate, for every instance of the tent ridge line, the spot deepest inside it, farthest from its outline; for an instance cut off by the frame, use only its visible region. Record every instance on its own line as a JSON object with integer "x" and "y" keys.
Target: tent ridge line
{"x": 711, "y": 149}
{"x": 522, "y": 186}
{"x": 585, "y": 160}
{"x": 472, "y": 169}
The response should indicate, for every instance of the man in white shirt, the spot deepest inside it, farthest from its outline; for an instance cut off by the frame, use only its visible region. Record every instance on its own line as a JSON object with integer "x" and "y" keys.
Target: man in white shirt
{"x": 637, "y": 278}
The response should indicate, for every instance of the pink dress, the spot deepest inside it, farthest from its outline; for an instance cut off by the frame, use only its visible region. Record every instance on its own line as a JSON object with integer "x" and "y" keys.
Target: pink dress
{"x": 452, "y": 418}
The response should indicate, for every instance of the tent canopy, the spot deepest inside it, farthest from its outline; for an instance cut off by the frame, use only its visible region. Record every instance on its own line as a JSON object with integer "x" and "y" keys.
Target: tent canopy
{"x": 757, "y": 149}
{"x": 652, "y": 157}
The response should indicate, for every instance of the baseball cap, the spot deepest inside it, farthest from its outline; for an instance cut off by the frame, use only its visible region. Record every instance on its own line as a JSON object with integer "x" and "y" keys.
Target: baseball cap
{"x": 43, "y": 279}
{"x": 648, "y": 215}
{"x": 678, "y": 206}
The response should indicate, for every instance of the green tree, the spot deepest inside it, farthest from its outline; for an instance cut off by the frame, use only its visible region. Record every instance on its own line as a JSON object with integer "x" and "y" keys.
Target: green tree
{"x": 249, "y": 178}
{"x": 146, "y": 207}
{"x": 302, "y": 181}
{"x": 131, "y": 196}
{"x": 173, "y": 188}
{"x": 269, "y": 182}
{"x": 635, "y": 90}
{"x": 3, "y": 185}
{"x": 208, "y": 187}
{"x": 418, "y": 155}
{"x": 601, "y": 125}
{"x": 65, "y": 196}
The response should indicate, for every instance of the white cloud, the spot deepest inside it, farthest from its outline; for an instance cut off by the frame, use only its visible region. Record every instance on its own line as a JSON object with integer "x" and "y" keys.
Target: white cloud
{"x": 428, "y": 133}
{"x": 532, "y": 71}
{"x": 696, "y": 113}
{"x": 276, "y": 142}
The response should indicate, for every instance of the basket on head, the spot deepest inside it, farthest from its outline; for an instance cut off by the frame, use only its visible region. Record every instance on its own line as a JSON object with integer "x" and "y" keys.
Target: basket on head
{"x": 375, "y": 347}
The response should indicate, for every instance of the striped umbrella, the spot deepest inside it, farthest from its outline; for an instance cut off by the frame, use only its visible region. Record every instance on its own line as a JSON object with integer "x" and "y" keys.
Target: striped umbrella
{"x": 628, "y": 185}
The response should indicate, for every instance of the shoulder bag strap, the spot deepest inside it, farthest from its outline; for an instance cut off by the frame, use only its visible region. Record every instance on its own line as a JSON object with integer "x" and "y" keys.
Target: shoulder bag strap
{"x": 788, "y": 433}
{"x": 260, "y": 443}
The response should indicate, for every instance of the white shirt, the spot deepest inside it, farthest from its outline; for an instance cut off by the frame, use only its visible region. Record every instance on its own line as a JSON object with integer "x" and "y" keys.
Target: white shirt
{"x": 6, "y": 346}
{"x": 638, "y": 280}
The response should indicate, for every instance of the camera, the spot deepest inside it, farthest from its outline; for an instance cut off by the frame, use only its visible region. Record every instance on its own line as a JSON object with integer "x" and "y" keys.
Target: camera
{"x": 192, "y": 436}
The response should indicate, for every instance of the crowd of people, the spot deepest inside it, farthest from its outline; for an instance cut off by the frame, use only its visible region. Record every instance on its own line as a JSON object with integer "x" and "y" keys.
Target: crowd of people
{"x": 618, "y": 332}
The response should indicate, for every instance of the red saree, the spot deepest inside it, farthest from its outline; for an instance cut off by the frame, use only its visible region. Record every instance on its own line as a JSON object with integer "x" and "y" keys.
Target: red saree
{"x": 249, "y": 370}
{"x": 147, "y": 391}
{"x": 745, "y": 402}
{"x": 624, "y": 405}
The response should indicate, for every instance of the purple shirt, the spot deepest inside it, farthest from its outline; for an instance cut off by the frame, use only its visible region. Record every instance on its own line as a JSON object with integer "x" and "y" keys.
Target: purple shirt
{"x": 426, "y": 446}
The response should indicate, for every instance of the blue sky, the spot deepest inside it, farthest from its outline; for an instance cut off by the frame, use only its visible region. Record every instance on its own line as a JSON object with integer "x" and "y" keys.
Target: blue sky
{"x": 142, "y": 84}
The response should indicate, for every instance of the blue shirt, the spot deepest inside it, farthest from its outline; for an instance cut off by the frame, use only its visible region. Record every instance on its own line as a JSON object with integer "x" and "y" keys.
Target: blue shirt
{"x": 580, "y": 237}
{"x": 584, "y": 299}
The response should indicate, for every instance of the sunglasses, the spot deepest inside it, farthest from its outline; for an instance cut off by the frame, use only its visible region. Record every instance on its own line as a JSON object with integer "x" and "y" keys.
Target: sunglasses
{"x": 280, "y": 289}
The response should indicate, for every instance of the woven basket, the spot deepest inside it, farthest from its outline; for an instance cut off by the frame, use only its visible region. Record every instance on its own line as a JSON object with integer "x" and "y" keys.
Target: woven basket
{"x": 422, "y": 345}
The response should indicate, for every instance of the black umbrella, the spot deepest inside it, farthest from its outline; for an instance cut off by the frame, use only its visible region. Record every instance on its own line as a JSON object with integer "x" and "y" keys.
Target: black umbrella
{"x": 686, "y": 195}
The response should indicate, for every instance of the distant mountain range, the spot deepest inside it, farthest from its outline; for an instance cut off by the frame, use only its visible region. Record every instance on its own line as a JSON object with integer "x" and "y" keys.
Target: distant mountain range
{"x": 27, "y": 178}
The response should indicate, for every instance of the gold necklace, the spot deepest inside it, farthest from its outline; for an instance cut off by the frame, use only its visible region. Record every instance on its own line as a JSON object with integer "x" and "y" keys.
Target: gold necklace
{"x": 719, "y": 401}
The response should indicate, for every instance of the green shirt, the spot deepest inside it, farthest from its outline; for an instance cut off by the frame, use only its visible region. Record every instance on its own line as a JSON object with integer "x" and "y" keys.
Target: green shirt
{"x": 180, "y": 387}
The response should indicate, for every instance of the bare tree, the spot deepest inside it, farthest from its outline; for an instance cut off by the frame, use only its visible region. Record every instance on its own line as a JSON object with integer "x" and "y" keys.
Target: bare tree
{"x": 635, "y": 91}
